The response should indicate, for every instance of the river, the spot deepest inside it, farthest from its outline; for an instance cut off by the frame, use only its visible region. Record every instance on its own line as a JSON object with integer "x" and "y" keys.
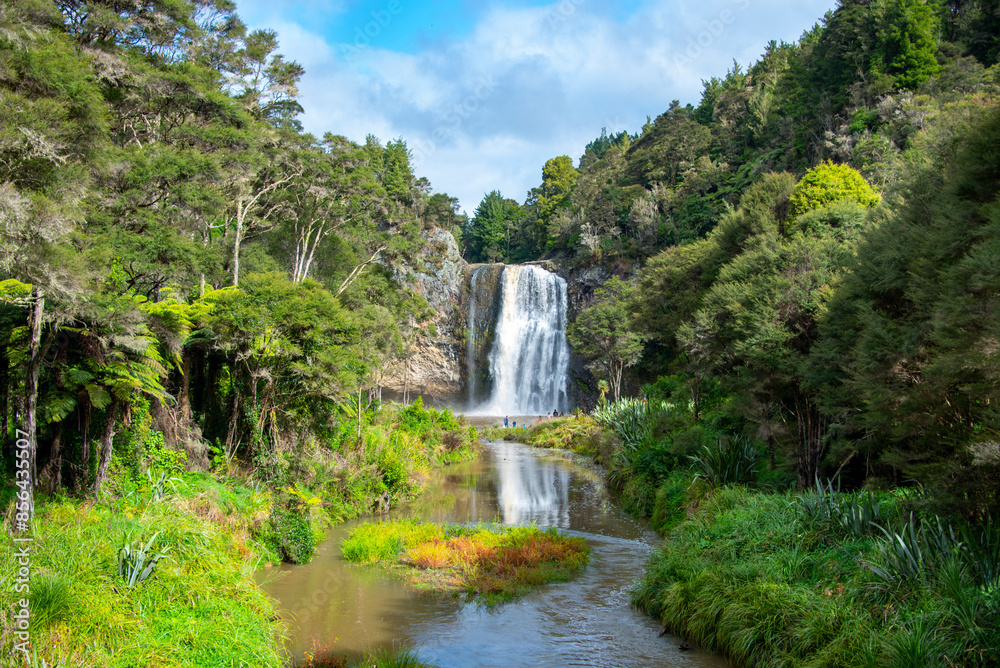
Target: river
{"x": 586, "y": 621}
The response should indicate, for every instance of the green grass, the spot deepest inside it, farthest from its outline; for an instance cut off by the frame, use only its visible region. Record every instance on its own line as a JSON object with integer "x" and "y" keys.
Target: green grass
{"x": 492, "y": 564}
{"x": 199, "y": 607}
{"x": 762, "y": 580}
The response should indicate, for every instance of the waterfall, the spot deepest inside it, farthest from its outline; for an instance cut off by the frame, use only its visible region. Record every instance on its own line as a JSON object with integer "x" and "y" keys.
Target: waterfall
{"x": 529, "y": 357}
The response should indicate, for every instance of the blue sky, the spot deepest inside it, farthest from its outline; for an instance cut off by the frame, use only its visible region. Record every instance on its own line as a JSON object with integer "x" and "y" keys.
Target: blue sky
{"x": 485, "y": 92}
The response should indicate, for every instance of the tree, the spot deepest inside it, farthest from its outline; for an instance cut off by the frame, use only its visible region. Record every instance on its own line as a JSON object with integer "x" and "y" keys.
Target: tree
{"x": 488, "y": 233}
{"x": 909, "y": 357}
{"x": 265, "y": 82}
{"x": 558, "y": 178}
{"x": 291, "y": 347}
{"x": 601, "y": 334}
{"x": 252, "y": 206}
{"x": 758, "y": 322}
{"x": 828, "y": 183}
{"x": 910, "y": 42}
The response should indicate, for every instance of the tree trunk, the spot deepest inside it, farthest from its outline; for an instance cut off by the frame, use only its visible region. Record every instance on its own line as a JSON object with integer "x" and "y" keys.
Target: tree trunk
{"x": 184, "y": 400}
{"x": 107, "y": 441}
{"x": 51, "y": 475}
{"x": 359, "y": 414}
{"x": 236, "y": 250}
{"x": 31, "y": 390}
{"x": 4, "y": 396}
{"x": 80, "y": 479}
{"x": 811, "y": 446}
{"x": 617, "y": 368}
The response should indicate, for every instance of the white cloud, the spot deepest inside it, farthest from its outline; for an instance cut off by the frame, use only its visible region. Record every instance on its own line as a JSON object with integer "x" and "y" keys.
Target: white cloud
{"x": 485, "y": 111}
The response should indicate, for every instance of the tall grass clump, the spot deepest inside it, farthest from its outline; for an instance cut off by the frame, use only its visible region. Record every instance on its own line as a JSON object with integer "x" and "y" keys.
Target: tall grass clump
{"x": 855, "y": 514}
{"x": 383, "y": 657}
{"x": 392, "y": 657}
{"x": 631, "y": 419}
{"x": 51, "y": 598}
{"x": 729, "y": 461}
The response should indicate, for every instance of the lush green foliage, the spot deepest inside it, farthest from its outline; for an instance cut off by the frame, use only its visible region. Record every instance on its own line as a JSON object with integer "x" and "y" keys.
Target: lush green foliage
{"x": 293, "y": 534}
{"x": 829, "y": 183}
{"x": 601, "y": 333}
{"x": 748, "y": 575}
{"x": 726, "y": 462}
{"x": 195, "y": 261}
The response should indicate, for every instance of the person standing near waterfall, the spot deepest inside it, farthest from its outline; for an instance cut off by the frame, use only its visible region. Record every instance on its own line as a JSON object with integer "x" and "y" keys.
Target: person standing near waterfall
{"x": 505, "y": 421}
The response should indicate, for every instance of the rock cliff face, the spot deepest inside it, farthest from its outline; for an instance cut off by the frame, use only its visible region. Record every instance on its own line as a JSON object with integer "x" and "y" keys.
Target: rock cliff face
{"x": 479, "y": 312}
{"x": 434, "y": 371}
{"x": 581, "y": 283}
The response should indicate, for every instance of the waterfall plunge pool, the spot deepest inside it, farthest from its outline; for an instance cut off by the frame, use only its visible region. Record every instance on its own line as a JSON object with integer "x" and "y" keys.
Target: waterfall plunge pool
{"x": 586, "y": 621}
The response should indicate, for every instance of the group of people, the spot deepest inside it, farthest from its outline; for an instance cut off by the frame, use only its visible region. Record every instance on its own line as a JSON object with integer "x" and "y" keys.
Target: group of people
{"x": 512, "y": 424}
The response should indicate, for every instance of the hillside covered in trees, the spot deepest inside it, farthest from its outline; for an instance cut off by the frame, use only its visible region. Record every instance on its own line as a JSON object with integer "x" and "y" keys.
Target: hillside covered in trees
{"x": 184, "y": 249}
{"x": 808, "y": 246}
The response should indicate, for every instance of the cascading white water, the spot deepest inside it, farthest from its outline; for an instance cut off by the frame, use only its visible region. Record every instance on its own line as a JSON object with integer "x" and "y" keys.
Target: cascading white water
{"x": 529, "y": 359}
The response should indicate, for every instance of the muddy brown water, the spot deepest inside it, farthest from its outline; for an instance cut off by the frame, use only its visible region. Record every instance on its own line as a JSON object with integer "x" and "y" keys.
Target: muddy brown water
{"x": 586, "y": 621}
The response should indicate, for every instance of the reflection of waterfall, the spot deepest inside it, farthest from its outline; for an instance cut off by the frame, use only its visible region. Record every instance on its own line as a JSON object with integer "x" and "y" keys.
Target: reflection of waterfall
{"x": 529, "y": 356}
{"x": 532, "y": 490}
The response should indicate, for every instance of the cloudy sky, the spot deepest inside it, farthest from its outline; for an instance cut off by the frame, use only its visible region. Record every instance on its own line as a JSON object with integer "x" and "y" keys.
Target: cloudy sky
{"x": 485, "y": 92}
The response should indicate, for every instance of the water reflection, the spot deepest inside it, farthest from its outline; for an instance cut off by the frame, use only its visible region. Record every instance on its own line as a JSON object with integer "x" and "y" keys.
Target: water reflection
{"x": 531, "y": 490}
{"x": 584, "y": 622}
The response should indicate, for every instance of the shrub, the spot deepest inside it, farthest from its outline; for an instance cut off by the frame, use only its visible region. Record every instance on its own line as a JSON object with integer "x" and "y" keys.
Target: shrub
{"x": 293, "y": 533}
{"x": 856, "y": 515}
{"x": 136, "y": 562}
{"x": 631, "y": 420}
{"x": 727, "y": 462}
{"x": 828, "y": 183}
